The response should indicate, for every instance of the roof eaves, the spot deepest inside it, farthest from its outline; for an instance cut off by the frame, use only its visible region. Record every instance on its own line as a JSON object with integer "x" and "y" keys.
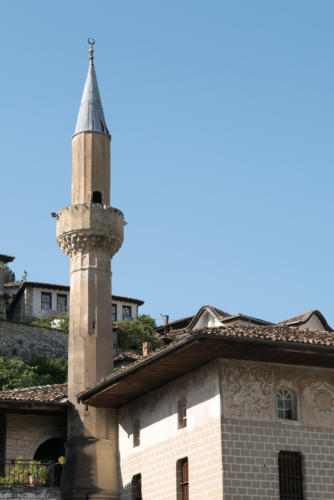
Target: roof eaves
{"x": 197, "y": 336}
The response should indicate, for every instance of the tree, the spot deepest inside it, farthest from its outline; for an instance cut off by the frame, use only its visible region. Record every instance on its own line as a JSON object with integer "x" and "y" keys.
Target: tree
{"x": 49, "y": 371}
{"x": 132, "y": 334}
{"x": 9, "y": 275}
{"x": 16, "y": 374}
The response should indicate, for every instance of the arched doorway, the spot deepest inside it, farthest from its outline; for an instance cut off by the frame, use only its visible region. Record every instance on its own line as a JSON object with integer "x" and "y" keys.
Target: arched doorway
{"x": 51, "y": 449}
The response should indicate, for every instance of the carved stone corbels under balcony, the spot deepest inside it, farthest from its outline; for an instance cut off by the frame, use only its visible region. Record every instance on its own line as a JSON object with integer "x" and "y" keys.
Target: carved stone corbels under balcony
{"x": 72, "y": 243}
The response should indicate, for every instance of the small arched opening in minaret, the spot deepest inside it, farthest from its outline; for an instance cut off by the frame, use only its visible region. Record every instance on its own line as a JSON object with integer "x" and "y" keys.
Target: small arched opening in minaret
{"x": 97, "y": 197}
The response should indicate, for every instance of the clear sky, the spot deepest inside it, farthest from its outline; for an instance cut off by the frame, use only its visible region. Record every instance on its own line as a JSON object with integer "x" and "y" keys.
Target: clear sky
{"x": 221, "y": 115}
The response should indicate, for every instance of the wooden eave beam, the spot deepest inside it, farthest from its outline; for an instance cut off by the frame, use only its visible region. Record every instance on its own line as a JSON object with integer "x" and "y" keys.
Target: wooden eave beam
{"x": 173, "y": 363}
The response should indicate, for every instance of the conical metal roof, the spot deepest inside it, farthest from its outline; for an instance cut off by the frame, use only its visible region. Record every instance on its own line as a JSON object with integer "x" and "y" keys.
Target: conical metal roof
{"x": 91, "y": 116}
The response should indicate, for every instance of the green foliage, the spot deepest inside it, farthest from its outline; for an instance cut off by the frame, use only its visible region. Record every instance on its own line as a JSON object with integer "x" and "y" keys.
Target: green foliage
{"x": 132, "y": 334}
{"x": 49, "y": 371}
{"x": 20, "y": 473}
{"x": 16, "y": 374}
{"x": 62, "y": 322}
{"x": 9, "y": 275}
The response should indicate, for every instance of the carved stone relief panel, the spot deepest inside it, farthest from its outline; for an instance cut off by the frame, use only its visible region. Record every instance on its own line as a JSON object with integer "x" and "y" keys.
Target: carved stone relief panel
{"x": 248, "y": 391}
{"x": 320, "y": 396}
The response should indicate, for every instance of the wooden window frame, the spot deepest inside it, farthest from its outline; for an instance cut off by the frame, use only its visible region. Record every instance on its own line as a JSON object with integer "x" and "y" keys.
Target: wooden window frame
{"x": 290, "y": 470}
{"x": 182, "y": 479}
{"x": 125, "y": 308}
{"x": 182, "y": 413}
{"x": 63, "y": 308}
{"x": 136, "y": 434}
{"x": 46, "y": 294}
{"x": 136, "y": 493}
{"x": 113, "y": 310}
{"x": 283, "y": 396}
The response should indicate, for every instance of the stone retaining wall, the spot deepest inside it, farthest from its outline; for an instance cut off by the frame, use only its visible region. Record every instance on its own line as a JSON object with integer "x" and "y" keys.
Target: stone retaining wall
{"x": 29, "y": 493}
{"x": 28, "y": 341}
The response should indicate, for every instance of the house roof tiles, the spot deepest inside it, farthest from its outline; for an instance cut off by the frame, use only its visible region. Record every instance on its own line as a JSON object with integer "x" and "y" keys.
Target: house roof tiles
{"x": 283, "y": 336}
{"x": 303, "y": 318}
{"x": 55, "y": 393}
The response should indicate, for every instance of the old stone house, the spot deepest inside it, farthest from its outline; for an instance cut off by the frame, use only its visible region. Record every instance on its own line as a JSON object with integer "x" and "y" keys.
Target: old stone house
{"x": 32, "y": 299}
{"x": 233, "y": 408}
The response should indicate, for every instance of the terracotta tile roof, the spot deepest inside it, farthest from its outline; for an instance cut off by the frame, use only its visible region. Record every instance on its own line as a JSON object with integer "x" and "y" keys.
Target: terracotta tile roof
{"x": 174, "y": 324}
{"x": 220, "y": 314}
{"x": 127, "y": 356}
{"x": 55, "y": 393}
{"x": 303, "y": 318}
{"x": 268, "y": 333}
{"x": 261, "y": 343}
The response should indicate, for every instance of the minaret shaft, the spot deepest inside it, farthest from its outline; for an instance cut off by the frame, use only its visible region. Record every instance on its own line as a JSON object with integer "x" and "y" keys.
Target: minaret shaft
{"x": 90, "y": 167}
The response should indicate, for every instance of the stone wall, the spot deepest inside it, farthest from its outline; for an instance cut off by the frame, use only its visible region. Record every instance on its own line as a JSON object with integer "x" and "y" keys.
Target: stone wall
{"x": 29, "y": 493}
{"x": 253, "y": 435}
{"x": 25, "y": 433}
{"x": 28, "y": 341}
{"x": 250, "y": 458}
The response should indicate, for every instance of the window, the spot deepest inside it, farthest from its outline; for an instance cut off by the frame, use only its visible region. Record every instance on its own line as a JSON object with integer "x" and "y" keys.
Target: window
{"x": 182, "y": 477}
{"x": 290, "y": 475}
{"x": 182, "y": 413}
{"x": 136, "y": 434}
{"x": 114, "y": 312}
{"x": 136, "y": 487}
{"x": 127, "y": 313}
{"x": 61, "y": 302}
{"x": 46, "y": 301}
{"x": 97, "y": 197}
{"x": 286, "y": 407}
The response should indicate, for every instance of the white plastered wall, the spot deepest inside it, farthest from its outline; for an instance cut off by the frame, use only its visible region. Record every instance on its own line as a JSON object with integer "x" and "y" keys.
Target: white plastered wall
{"x": 162, "y": 444}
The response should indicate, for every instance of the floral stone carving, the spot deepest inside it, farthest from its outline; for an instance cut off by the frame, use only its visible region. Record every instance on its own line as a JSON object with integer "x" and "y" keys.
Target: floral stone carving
{"x": 248, "y": 392}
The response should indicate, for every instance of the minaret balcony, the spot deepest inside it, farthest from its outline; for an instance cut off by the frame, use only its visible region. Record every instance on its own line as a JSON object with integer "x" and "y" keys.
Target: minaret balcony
{"x": 88, "y": 226}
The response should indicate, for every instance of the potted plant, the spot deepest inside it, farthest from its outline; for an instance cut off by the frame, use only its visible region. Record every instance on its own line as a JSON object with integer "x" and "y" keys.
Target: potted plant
{"x": 37, "y": 473}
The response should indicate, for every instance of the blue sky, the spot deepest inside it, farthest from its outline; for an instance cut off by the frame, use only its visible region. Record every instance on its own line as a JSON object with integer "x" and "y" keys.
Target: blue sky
{"x": 221, "y": 115}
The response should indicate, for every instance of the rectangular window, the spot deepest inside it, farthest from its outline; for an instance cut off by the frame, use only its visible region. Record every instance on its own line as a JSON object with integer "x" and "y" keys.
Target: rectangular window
{"x": 46, "y": 301}
{"x": 61, "y": 302}
{"x": 114, "y": 312}
{"x": 182, "y": 478}
{"x": 182, "y": 413}
{"x": 290, "y": 475}
{"x": 127, "y": 313}
{"x": 136, "y": 487}
{"x": 136, "y": 434}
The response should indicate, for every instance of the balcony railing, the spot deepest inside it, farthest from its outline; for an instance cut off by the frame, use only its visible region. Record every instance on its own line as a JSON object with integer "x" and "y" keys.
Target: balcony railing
{"x": 20, "y": 472}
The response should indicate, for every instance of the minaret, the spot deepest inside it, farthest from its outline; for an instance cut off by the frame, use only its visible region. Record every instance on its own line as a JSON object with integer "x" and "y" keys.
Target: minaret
{"x": 90, "y": 232}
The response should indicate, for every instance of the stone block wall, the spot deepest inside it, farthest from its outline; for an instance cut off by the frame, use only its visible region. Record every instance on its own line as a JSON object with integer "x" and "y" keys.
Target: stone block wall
{"x": 25, "y": 433}
{"x": 250, "y": 458}
{"x": 28, "y": 341}
{"x": 158, "y": 466}
{"x": 29, "y": 493}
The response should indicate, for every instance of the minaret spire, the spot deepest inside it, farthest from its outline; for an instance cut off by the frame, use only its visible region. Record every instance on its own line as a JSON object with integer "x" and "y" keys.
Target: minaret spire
{"x": 91, "y": 42}
{"x": 91, "y": 116}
